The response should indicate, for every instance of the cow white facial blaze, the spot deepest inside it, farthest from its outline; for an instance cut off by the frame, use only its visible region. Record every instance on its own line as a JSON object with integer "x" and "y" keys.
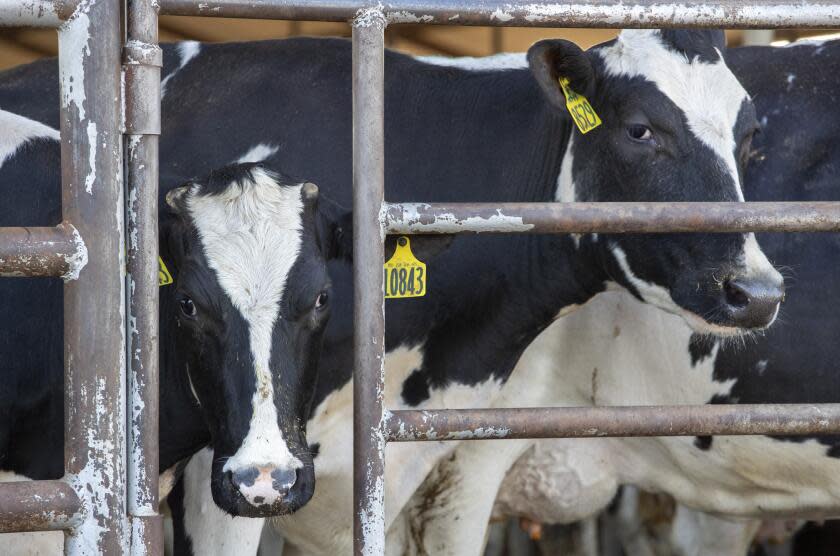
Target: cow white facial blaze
{"x": 251, "y": 238}
{"x": 708, "y": 93}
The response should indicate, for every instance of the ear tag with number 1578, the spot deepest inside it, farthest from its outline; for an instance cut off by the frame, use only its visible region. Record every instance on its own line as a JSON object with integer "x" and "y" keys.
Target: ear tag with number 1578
{"x": 582, "y": 112}
{"x": 164, "y": 276}
{"x": 405, "y": 276}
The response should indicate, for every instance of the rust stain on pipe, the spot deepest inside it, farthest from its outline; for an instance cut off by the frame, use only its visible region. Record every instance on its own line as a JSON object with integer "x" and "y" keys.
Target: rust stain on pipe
{"x": 43, "y": 251}
{"x": 37, "y": 506}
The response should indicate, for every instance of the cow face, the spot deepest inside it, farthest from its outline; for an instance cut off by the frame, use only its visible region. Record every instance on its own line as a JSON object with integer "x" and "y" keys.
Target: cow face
{"x": 250, "y": 302}
{"x": 677, "y": 126}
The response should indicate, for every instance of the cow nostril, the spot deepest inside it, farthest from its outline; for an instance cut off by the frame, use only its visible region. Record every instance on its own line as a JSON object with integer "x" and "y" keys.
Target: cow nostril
{"x": 282, "y": 480}
{"x": 244, "y": 477}
{"x": 736, "y": 295}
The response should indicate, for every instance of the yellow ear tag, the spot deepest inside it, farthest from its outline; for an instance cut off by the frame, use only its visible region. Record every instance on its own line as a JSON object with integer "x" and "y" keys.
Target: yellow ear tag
{"x": 164, "y": 277}
{"x": 580, "y": 109}
{"x": 405, "y": 276}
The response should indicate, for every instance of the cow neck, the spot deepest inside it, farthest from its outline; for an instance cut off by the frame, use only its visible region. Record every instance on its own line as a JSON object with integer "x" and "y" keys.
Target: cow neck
{"x": 490, "y": 296}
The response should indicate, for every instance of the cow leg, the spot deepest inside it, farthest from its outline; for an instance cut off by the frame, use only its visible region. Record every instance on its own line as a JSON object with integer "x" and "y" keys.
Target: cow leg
{"x": 697, "y": 533}
{"x": 449, "y": 513}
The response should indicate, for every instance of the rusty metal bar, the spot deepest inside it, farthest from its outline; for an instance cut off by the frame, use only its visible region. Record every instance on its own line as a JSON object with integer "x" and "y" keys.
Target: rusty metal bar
{"x": 578, "y": 13}
{"x": 369, "y": 307}
{"x": 38, "y": 506}
{"x": 142, "y": 60}
{"x": 94, "y": 305}
{"x": 35, "y": 13}
{"x": 57, "y": 251}
{"x": 452, "y": 218}
{"x": 585, "y": 422}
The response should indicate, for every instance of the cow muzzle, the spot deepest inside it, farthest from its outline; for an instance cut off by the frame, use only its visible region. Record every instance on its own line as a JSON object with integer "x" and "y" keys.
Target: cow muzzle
{"x": 264, "y": 487}
{"x": 753, "y": 302}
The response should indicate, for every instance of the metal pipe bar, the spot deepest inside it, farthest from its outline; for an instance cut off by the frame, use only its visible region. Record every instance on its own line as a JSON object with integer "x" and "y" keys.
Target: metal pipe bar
{"x": 38, "y": 506}
{"x": 733, "y": 14}
{"x": 557, "y": 218}
{"x": 35, "y": 13}
{"x": 57, "y": 251}
{"x": 586, "y": 422}
{"x": 369, "y": 307}
{"x": 142, "y": 60}
{"x": 89, "y": 46}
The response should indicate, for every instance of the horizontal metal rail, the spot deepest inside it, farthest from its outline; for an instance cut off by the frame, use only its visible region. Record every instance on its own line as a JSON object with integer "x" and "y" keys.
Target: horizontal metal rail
{"x": 57, "y": 251}
{"x": 37, "y": 506}
{"x": 577, "y": 13}
{"x": 453, "y": 218}
{"x": 35, "y": 13}
{"x": 585, "y": 422}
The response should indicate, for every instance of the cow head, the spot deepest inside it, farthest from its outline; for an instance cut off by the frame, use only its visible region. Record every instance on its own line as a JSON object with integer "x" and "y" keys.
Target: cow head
{"x": 250, "y": 301}
{"x": 677, "y": 126}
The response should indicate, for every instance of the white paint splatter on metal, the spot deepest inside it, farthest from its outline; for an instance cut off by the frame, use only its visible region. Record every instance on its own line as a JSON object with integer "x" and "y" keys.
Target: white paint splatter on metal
{"x": 413, "y": 221}
{"x": 409, "y": 17}
{"x": 78, "y": 260}
{"x": 90, "y": 179}
{"x": 368, "y": 17}
{"x": 71, "y": 62}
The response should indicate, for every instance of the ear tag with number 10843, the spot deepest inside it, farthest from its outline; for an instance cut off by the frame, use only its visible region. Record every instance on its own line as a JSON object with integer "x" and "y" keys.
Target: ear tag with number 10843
{"x": 405, "y": 276}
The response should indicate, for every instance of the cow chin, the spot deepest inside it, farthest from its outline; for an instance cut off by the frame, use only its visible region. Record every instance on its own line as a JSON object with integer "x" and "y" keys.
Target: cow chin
{"x": 701, "y": 326}
{"x": 231, "y": 500}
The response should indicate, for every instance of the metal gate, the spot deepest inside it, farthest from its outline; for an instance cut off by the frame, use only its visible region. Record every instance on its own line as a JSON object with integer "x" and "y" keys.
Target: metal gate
{"x": 107, "y": 501}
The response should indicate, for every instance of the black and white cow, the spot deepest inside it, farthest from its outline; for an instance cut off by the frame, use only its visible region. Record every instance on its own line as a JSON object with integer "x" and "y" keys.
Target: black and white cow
{"x": 241, "y": 326}
{"x": 677, "y": 126}
{"x": 617, "y": 351}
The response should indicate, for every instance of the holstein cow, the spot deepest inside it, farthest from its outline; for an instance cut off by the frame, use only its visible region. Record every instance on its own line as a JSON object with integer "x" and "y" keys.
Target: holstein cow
{"x": 240, "y": 328}
{"x": 677, "y": 126}
{"x": 617, "y": 351}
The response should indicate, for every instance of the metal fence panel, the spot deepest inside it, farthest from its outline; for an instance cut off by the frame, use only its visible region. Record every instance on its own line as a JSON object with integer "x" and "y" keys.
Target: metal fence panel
{"x": 91, "y": 501}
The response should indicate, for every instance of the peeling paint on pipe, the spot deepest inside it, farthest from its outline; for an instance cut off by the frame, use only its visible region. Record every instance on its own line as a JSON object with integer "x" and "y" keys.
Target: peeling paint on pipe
{"x": 585, "y": 422}
{"x": 33, "y": 13}
{"x": 142, "y": 60}
{"x": 94, "y": 305}
{"x": 38, "y": 506}
{"x": 34, "y": 252}
{"x": 614, "y": 218}
{"x": 369, "y": 307}
{"x": 733, "y": 14}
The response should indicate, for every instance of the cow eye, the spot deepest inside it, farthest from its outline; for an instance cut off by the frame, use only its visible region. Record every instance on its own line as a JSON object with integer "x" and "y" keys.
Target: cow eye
{"x": 639, "y": 132}
{"x": 321, "y": 300}
{"x": 187, "y": 307}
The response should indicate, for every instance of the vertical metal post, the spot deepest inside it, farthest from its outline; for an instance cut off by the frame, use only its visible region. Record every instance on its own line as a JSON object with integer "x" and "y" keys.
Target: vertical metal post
{"x": 142, "y": 59}
{"x": 369, "y": 308}
{"x": 94, "y": 305}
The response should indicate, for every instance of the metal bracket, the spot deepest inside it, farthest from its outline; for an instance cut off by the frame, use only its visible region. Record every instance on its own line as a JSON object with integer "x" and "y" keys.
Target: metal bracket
{"x": 141, "y": 64}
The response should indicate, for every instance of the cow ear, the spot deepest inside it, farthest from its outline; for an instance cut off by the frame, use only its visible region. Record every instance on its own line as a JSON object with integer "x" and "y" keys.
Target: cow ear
{"x": 176, "y": 198}
{"x": 552, "y": 59}
{"x": 334, "y": 228}
{"x": 172, "y": 240}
